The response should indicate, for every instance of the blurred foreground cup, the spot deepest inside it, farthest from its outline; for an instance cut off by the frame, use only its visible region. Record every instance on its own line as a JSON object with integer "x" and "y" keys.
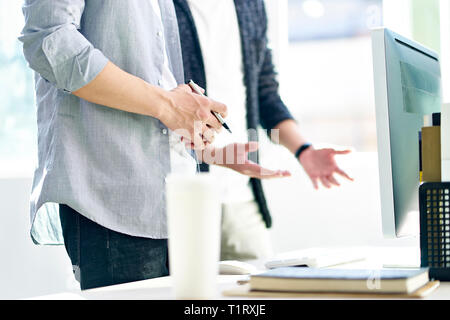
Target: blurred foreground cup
{"x": 194, "y": 215}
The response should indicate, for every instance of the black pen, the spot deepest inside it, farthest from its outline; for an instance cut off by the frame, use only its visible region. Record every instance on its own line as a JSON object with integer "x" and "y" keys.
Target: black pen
{"x": 197, "y": 90}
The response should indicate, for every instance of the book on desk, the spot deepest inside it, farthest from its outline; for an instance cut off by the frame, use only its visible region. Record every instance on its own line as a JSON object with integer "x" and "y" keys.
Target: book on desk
{"x": 340, "y": 280}
{"x": 299, "y": 281}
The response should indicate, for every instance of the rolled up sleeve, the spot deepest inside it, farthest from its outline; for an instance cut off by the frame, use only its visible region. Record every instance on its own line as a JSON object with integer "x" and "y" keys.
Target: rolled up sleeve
{"x": 54, "y": 46}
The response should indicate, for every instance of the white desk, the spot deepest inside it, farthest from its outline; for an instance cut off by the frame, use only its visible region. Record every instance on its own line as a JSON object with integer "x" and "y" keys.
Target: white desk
{"x": 161, "y": 288}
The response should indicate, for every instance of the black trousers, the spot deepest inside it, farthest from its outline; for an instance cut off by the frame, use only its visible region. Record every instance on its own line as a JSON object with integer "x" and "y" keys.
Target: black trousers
{"x": 103, "y": 257}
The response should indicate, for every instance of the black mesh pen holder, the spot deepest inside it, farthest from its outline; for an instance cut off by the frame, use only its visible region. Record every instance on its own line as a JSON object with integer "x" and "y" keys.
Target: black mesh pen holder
{"x": 434, "y": 199}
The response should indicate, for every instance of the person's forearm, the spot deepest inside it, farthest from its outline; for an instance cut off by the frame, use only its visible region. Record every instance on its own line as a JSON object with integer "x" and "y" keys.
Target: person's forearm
{"x": 289, "y": 135}
{"x": 118, "y": 89}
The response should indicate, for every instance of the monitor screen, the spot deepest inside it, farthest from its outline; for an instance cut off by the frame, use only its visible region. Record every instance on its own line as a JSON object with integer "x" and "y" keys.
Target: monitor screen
{"x": 407, "y": 88}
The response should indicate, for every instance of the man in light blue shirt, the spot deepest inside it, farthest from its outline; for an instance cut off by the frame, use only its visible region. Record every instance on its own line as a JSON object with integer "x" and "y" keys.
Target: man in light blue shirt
{"x": 104, "y": 120}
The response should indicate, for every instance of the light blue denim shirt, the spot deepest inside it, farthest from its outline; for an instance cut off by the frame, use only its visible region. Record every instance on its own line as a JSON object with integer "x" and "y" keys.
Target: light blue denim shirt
{"x": 107, "y": 164}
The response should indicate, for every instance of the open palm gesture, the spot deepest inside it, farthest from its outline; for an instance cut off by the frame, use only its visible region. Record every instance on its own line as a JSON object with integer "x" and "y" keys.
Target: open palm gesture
{"x": 235, "y": 157}
{"x": 320, "y": 165}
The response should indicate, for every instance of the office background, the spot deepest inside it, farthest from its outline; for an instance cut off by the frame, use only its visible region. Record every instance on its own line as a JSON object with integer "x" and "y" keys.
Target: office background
{"x": 322, "y": 50}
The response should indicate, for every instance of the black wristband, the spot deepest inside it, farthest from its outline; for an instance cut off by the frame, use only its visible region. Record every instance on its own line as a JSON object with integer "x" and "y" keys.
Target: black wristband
{"x": 301, "y": 149}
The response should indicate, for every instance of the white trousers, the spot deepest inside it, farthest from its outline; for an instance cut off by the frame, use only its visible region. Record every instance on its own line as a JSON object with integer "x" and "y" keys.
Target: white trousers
{"x": 244, "y": 233}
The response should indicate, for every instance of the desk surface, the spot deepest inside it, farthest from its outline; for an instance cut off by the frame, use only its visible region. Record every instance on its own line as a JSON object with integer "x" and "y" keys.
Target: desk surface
{"x": 161, "y": 288}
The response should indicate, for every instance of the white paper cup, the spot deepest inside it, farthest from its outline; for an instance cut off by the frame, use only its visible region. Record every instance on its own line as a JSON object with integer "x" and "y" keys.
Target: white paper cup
{"x": 194, "y": 214}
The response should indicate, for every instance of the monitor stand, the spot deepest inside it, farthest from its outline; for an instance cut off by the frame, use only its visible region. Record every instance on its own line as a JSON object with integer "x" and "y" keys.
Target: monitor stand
{"x": 400, "y": 257}
{"x": 402, "y": 264}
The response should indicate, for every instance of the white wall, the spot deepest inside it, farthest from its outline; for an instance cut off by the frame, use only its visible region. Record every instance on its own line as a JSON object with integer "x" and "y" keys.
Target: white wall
{"x": 27, "y": 270}
{"x": 345, "y": 216}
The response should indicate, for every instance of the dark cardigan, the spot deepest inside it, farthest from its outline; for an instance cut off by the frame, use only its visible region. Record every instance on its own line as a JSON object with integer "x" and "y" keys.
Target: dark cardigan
{"x": 264, "y": 105}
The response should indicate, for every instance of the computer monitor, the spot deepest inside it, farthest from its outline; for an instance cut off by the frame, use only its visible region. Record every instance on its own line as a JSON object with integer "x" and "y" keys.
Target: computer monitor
{"x": 407, "y": 88}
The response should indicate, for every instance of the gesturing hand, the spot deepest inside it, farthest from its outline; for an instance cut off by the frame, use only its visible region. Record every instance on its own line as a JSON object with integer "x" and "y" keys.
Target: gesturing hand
{"x": 320, "y": 165}
{"x": 235, "y": 157}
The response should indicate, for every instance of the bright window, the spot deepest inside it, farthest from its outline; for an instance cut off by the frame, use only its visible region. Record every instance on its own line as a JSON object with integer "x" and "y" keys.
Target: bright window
{"x": 330, "y": 77}
{"x": 18, "y": 143}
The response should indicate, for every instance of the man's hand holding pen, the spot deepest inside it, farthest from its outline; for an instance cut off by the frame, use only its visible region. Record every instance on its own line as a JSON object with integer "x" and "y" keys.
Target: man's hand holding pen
{"x": 190, "y": 116}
